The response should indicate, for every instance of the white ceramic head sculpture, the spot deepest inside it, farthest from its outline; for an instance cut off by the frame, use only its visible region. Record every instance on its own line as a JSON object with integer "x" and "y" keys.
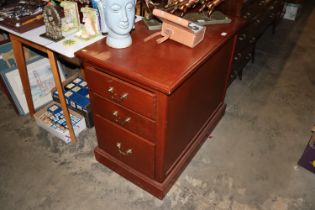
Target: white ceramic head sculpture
{"x": 119, "y": 19}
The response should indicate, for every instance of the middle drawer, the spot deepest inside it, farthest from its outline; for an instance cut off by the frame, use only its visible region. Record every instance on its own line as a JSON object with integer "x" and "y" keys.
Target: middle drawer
{"x": 128, "y": 119}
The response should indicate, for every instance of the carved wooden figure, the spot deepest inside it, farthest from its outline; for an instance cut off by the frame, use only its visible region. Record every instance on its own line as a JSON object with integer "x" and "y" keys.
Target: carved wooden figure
{"x": 52, "y": 23}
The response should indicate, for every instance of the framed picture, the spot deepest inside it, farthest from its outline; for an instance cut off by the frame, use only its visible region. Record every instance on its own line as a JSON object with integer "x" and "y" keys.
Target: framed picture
{"x": 7, "y": 60}
{"x": 71, "y": 21}
{"x": 3, "y": 37}
{"x": 40, "y": 77}
{"x": 80, "y": 3}
{"x": 91, "y": 27}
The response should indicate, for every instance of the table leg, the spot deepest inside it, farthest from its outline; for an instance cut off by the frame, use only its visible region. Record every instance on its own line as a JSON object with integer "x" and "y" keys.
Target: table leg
{"x": 20, "y": 62}
{"x": 55, "y": 71}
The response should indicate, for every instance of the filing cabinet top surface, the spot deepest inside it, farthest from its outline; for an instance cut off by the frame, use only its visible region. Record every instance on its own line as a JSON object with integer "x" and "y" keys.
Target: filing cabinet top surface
{"x": 162, "y": 67}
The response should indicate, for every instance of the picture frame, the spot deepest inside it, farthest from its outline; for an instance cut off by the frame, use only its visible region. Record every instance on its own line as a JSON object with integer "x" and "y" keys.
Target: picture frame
{"x": 7, "y": 63}
{"x": 3, "y": 37}
{"x": 71, "y": 20}
{"x": 91, "y": 27}
{"x": 40, "y": 77}
{"x": 7, "y": 60}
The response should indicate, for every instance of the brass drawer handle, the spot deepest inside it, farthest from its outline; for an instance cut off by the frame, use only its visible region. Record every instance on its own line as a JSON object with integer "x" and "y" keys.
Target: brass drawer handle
{"x": 124, "y": 96}
{"x": 124, "y": 153}
{"x": 238, "y": 56}
{"x": 248, "y": 56}
{"x": 120, "y": 121}
{"x": 111, "y": 91}
{"x": 252, "y": 40}
{"x": 242, "y": 37}
{"x": 261, "y": 3}
{"x": 247, "y": 15}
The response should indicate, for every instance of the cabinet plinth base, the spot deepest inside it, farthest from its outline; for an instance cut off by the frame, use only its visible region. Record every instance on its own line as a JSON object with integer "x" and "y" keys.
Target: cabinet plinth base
{"x": 158, "y": 189}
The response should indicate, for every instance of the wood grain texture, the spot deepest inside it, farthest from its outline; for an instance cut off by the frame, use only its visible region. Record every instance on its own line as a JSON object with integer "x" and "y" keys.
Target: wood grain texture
{"x": 163, "y": 67}
{"x": 184, "y": 88}
{"x": 59, "y": 86}
{"x": 21, "y": 64}
{"x": 17, "y": 44}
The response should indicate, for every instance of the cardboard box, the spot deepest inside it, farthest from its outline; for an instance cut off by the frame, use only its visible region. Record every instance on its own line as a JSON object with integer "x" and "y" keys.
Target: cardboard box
{"x": 85, "y": 112}
{"x": 292, "y": 11}
{"x": 77, "y": 98}
{"x": 54, "y": 122}
{"x": 179, "y": 29}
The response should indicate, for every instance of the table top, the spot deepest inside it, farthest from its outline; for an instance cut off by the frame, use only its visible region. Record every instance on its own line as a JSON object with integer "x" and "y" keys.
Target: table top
{"x": 159, "y": 66}
{"x": 32, "y": 35}
{"x": 58, "y": 47}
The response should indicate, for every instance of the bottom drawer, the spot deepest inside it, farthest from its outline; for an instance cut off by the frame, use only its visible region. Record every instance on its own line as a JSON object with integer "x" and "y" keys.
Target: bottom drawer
{"x": 124, "y": 146}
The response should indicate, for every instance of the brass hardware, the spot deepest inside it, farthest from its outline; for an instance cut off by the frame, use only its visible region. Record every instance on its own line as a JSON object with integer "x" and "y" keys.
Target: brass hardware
{"x": 119, "y": 120}
{"x": 124, "y": 96}
{"x": 113, "y": 95}
{"x": 252, "y": 40}
{"x": 124, "y": 153}
{"x": 248, "y": 56}
{"x": 242, "y": 37}
{"x": 247, "y": 15}
{"x": 115, "y": 113}
{"x": 238, "y": 55}
{"x": 110, "y": 90}
{"x": 127, "y": 120}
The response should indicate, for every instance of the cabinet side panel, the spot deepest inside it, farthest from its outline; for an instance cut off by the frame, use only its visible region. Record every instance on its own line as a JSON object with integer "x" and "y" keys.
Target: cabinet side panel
{"x": 192, "y": 104}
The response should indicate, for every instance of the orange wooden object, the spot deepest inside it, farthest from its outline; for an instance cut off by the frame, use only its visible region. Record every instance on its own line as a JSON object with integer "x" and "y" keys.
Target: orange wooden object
{"x": 172, "y": 96}
{"x": 179, "y": 29}
{"x": 17, "y": 43}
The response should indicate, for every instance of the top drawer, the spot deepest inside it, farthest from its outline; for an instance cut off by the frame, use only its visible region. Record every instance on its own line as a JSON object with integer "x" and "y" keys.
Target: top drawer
{"x": 120, "y": 92}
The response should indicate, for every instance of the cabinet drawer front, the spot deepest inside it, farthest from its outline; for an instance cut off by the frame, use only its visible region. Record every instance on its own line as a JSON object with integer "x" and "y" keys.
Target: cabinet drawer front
{"x": 241, "y": 59}
{"x": 130, "y": 96}
{"x": 133, "y": 151}
{"x": 127, "y": 119}
{"x": 244, "y": 39}
{"x": 252, "y": 11}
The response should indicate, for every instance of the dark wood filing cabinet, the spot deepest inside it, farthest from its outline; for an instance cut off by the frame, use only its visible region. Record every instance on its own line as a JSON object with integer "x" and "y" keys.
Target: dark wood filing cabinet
{"x": 258, "y": 16}
{"x": 154, "y": 105}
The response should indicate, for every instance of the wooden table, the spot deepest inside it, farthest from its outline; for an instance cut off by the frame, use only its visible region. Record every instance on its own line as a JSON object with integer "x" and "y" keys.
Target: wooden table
{"x": 32, "y": 39}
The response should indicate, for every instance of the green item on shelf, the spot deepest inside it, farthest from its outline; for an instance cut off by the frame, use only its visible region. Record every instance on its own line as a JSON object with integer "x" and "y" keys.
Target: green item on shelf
{"x": 69, "y": 42}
